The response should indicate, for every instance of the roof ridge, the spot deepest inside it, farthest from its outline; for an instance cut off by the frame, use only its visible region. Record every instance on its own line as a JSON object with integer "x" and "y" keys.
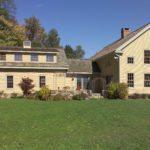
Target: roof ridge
{"x": 118, "y": 41}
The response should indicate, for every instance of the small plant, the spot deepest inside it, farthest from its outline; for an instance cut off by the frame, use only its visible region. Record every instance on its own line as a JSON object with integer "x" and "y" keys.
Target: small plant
{"x": 81, "y": 96}
{"x": 1, "y": 94}
{"x": 26, "y": 86}
{"x": 44, "y": 93}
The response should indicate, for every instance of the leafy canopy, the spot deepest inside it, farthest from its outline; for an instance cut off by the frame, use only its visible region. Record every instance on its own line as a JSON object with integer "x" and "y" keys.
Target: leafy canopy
{"x": 7, "y": 8}
{"x": 35, "y": 32}
{"x": 53, "y": 39}
{"x": 78, "y": 53}
{"x": 11, "y": 34}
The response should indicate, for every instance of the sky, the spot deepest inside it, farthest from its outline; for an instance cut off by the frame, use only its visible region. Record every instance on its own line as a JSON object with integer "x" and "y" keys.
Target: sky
{"x": 90, "y": 23}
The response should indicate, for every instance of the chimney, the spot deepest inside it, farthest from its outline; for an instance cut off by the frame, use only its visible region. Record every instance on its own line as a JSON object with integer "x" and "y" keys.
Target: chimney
{"x": 125, "y": 32}
{"x": 26, "y": 44}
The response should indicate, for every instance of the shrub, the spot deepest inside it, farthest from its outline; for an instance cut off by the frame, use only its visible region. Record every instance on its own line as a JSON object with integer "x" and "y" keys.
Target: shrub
{"x": 122, "y": 91}
{"x": 26, "y": 86}
{"x": 14, "y": 95}
{"x": 44, "y": 93}
{"x": 139, "y": 96}
{"x": 81, "y": 96}
{"x": 117, "y": 91}
{"x": 112, "y": 91}
{"x": 58, "y": 97}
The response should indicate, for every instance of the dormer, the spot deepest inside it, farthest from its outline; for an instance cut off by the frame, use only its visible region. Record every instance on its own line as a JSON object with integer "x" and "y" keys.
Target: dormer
{"x": 26, "y": 44}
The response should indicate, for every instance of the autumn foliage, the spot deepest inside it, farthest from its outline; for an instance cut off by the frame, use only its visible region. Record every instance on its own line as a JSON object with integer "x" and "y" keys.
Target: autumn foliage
{"x": 26, "y": 86}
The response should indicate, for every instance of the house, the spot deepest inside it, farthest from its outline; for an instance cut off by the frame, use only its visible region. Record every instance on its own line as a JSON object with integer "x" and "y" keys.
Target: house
{"x": 44, "y": 66}
{"x": 125, "y": 60}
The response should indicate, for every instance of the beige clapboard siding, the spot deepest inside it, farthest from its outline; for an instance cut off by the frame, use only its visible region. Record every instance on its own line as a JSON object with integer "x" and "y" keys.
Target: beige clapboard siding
{"x": 53, "y": 80}
{"x": 136, "y": 50}
{"x": 71, "y": 83}
{"x": 27, "y": 58}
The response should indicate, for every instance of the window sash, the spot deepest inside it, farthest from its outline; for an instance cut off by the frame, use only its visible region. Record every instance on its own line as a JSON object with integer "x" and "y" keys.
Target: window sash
{"x": 130, "y": 60}
{"x": 130, "y": 80}
{"x": 147, "y": 56}
{"x": 147, "y": 80}
{"x": 42, "y": 81}
{"x": 85, "y": 83}
{"x": 3, "y": 57}
{"x": 9, "y": 81}
{"x": 34, "y": 57}
{"x": 18, "y": 57}
{"x": 79, "y": 83}
{"x": 49, "y": 58}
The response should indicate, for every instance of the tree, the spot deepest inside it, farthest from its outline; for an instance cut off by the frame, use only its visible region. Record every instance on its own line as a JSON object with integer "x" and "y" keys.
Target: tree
{"x": 7, "y": 8}
{"x": 53, "y": 39}
{"x": 69, "y": 51}
{"x": 26, "y": 86}
{"x": 35, "y": 32}
{"x": 11, "y": 34}
{"x": 79, "y": 52}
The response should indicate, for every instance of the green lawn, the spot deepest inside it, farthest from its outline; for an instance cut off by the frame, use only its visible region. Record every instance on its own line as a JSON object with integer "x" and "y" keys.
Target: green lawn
{"x": 75, "y": 125}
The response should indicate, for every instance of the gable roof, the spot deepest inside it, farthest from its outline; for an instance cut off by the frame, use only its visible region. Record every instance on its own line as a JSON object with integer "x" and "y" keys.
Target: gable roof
{"x": 81, "y": 66}
{"x": 118, "y": 43}
{"x": 61, "y": 63}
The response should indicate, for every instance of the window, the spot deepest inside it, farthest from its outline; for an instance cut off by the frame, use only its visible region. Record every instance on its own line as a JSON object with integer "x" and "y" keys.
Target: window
{"x": 130, "y": 80}
{"x": 130, "y": 60}
{"x": 147, "y": 57}
{"x": 79, "y": 83}
{"x": 49, "y": 58}
{"x": 34, "y": 57}
{"x": 85, "y": 83}
{"x": 147, "y": 80}
{"x": 9, "y": 81}
{"x": 3, "y": 57}
{"x": 18, "y": 57}
{"x": 42, "y": 81}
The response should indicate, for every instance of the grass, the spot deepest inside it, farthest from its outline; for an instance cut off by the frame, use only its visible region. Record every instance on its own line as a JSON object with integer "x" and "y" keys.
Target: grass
{"x": 89, "y": 125}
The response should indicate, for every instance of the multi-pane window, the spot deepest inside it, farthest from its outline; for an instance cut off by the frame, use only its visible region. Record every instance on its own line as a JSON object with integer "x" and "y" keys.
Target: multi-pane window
{"x": 130, "y": 80}
{"x": 79, "y": 83}
{"x": 42, "y": 81}
{"x": 3, "y": 57}
{"x": 49, "y": 58}
{"x": 9, "y": 81}
{"x": 85, "y": 83}
{"x": 82, "y": 83}
{"x": 147, "y": 56}
{"x": 147, "y": 80}
{"x": 130, "y": 60}
{"x": 18, "y": 57}
{"x": 34, "y": 57}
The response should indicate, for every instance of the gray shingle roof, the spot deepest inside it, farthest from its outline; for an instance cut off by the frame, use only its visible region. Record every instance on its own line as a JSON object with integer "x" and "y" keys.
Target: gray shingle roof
{"x": 80, "y": 66}
{"x": 61, "y": 61}
{"x": 113, "y": 46}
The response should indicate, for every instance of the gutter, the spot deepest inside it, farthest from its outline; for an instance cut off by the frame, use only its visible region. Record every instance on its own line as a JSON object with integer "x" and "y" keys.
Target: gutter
{"x": 41, "y": 68}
